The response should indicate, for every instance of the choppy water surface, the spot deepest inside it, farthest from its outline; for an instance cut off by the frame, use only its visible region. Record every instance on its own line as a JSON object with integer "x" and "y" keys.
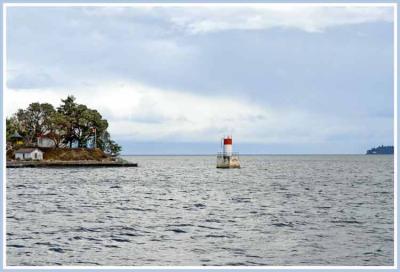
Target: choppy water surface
{"x": 275, "y": 210}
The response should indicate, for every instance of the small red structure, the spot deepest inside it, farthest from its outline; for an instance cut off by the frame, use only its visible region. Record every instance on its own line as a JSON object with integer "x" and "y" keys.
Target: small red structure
{"x": 228, "y": 146}
{"x": 227, "y": 159}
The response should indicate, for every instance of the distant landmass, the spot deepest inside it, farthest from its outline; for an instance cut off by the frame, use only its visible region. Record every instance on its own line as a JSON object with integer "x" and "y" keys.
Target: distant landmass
{"x": 381, "y": 150}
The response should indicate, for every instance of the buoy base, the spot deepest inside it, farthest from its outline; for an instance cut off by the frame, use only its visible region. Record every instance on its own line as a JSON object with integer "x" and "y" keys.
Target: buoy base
{"x": 228, "y": 161}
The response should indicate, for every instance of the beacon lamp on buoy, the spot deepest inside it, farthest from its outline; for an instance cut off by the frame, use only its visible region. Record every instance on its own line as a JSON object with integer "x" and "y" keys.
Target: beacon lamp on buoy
{"x": 228, "y": 159}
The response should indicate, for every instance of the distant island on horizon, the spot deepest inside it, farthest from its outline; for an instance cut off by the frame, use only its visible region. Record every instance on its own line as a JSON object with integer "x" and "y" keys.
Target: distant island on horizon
{"x": 381, "y": 150}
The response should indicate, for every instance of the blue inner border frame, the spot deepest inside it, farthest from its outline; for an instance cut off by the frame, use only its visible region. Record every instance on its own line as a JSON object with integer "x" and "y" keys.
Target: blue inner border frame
{"x": 2, "y": 209}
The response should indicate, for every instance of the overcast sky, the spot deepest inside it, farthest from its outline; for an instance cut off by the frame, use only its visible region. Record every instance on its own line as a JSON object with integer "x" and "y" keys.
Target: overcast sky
{"x": 173, "y": 80}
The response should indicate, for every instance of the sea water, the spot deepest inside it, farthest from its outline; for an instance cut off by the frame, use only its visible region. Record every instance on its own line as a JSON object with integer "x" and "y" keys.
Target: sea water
{"x": 181, "y": 210}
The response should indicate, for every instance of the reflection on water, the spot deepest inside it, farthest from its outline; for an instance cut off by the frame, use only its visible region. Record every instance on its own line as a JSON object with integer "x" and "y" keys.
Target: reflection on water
{"x": 171, "y": 210}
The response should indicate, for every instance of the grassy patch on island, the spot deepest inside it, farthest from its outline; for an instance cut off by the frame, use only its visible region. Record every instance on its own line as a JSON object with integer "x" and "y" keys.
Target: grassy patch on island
{"x": 74, "y": 154}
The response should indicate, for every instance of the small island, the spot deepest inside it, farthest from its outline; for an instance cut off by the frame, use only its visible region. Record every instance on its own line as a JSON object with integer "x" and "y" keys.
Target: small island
{"x": 72, "y": 135}
{"x": 381, "y": 150}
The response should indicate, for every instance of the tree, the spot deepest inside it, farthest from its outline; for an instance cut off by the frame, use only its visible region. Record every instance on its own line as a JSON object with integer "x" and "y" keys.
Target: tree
{"x": 68, "y": 109}
{"x": 58, "y": 127}
{"x": 34, "y": 121}
{"x": 12, "y": 126}
{"x": 70, "y": 123}
{"x": 92, "y": 120}
{"x": 109, "y": 146}
{"x": 113, "y": 148}
{"x": 80, "y": 122}
{"x": 89, "y": 120}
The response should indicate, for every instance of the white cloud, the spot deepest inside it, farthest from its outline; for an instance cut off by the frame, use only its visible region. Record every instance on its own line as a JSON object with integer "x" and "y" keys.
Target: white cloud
{"x": 209, "y": 18}
{"x": 309, "y": 19}
{"x": 146, "y": 113}
{"x": 142, "y": 113}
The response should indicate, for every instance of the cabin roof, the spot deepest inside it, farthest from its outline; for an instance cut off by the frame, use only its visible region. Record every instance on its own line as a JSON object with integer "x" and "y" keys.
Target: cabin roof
{"x": 16, "y": 135}
{"x": 27, "y": 150}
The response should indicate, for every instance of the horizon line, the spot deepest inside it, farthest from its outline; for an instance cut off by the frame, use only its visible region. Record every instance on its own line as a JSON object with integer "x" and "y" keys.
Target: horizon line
{"x": 263, "y": 154}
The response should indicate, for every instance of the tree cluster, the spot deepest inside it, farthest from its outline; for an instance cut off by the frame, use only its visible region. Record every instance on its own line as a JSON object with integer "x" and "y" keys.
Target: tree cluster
{"x": 67, "y": 125}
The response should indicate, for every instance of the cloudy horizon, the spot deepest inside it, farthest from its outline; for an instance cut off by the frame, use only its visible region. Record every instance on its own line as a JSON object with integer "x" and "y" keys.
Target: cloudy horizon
{"x": 173, "y": 80}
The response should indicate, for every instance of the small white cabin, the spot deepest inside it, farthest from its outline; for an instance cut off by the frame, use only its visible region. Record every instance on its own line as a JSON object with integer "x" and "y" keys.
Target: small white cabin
{"x": 29, "y": 154}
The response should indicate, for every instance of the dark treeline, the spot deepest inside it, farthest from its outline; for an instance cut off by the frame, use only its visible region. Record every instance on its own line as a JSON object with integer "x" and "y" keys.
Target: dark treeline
{"x": 70, "y": 124}
{"x": 381, "y": 150}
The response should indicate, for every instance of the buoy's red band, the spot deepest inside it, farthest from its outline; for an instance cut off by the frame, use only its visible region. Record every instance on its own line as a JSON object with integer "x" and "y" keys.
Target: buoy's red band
{"x": 227, "y": 141}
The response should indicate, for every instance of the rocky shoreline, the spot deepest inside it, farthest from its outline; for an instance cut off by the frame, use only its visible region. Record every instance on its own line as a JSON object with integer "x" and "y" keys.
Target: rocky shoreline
{"x": 86, "y": 163}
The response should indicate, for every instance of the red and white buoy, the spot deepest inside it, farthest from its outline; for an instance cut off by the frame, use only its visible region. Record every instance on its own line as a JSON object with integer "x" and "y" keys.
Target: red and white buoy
{"x": 227, "y": 159}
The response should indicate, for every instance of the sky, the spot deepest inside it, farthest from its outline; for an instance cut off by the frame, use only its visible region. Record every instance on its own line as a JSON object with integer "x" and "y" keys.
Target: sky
{"x": 281, "y": 79}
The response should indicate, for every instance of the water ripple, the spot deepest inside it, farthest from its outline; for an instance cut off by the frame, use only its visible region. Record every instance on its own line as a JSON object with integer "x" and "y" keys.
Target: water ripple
{"x": 275, "y": 210}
